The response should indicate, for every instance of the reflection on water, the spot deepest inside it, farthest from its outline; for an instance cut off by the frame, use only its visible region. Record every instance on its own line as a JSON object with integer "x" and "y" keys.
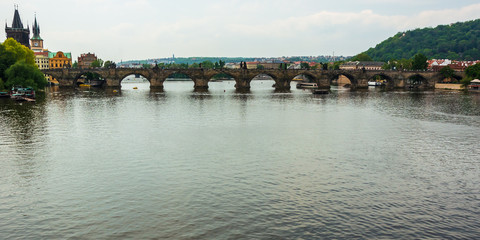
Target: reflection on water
{"x": 182, "y": 164}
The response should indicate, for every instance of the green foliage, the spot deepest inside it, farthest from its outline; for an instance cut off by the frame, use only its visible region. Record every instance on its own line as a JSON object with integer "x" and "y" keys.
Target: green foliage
{"x": 19, "y": 52}
{"x": 447, "y": 72}
{"x": 97, "y": 63}
{"x": 362, "y": 57}
{"x": 473, "y": 71}
{"x": 335, "y": 65}
{"x": 459, "y": 41}
{"x": 17, "y": 66}
{"x": 7, "y": 59}
{"x": 419, "y": 62}
{"x": 260, "y": 67}
{"x": 402, "y": 64}
{"x": 92, "y": 76}
{"x": 304, "y": 65}
{"x": 2, "y": 85}
{"x": 26, "y": 75}
{"x": 221, "y": 63}
{"x": 108, "y": 64}
{"x": 207, "y": 64}
{"x": 75, "y": 64}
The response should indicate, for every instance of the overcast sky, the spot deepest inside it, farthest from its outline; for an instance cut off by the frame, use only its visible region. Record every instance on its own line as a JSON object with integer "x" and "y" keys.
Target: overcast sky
{"x": 140, "y": 29}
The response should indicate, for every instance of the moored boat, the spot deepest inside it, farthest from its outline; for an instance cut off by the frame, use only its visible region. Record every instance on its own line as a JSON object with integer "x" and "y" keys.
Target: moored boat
{"x": 4, "y": 95}
{"x": 307, "y": 85}
{"x": 374, "y": 83}
{"x": 21, "y": 93}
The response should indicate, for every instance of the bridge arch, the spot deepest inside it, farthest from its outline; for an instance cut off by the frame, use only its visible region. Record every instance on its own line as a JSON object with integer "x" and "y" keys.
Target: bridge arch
{"x": 265, "y": 76}
{"x": 334, "y": 79}
{"x": 416, "y": 81}
{"x": 125, "y": 75}
{"x": 385, "y": 79}
{"x": 310, "y": 77}
{"x": 93, "y": 77}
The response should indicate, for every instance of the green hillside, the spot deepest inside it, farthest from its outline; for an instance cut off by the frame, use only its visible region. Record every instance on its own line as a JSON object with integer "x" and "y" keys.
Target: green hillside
{"x": 459, "y": 41}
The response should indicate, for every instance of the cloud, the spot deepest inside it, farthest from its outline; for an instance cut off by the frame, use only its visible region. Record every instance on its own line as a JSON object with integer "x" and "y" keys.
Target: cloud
{"x": 135, "y": 29}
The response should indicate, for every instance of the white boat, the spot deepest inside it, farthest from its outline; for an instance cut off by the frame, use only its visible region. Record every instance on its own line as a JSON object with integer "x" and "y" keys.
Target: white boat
{"x": 374, "y": 83}
{"x": 307, "y": 85}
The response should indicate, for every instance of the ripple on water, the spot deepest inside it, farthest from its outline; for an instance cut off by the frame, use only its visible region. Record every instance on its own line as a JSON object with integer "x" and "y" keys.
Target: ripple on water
{"x": 217, "y": 165}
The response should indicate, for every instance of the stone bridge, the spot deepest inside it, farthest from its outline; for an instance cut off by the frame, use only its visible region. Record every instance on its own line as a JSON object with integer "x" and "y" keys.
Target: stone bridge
{"x": 67, "y": 77}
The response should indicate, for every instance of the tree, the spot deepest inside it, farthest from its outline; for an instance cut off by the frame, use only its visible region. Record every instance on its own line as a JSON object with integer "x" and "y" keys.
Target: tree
{"x": 207, "y": 64}
{"x": 362, "y": 57}
{"x": 7, "y": 59}
{"x": 24, "y": 74}
{"x": 97, "y": 63}
{"x": 473, "y": 72}
{"x": 2, "y": 85}
{"x": 419, "y": 62}
{"x": 108, "y": 64}
{"x": 75, "y": 64}
{"x": 447, "y": 72}
{"x": 260, "y": 67}
{"x": 19, "y": 52}
{"x": 221, "y": 63}
{"x": 304, "y": 65}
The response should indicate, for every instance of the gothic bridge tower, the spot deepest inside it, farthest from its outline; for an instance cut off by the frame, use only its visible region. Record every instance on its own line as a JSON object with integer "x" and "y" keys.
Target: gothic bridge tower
{"x": 17, "y": 32}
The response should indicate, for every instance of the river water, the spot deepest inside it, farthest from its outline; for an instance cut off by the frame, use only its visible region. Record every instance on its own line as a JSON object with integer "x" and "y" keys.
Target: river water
{"x": 179, "y": 164}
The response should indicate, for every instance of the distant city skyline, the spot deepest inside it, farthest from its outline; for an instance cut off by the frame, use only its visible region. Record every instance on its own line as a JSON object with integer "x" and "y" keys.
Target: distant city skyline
{"x": 145, "y": 29}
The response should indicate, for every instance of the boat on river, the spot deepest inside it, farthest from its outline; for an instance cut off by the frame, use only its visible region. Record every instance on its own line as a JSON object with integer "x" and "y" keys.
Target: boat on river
{"x": 307, "y": 85}
{"x": 92, "y": 83}
{"x": 376, "y": 83}
{"x": 4, "y": 95}
{"x": 22, "y": 94}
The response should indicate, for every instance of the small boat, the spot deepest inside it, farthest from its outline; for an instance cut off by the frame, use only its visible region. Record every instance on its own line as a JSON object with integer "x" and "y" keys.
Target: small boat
{"x": 376, "y": 83}
{"x": 21, "y": 93}
{"x": 4, "y": 95}
{"x": 307, "y": 85}
{"x": 92, "y": 83}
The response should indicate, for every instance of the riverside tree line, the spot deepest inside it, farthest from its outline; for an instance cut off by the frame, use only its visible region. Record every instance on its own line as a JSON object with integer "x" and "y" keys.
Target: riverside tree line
{"x": 18, "y": 68}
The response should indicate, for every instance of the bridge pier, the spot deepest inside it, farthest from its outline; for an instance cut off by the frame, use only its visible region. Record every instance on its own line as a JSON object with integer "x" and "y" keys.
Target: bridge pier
{"x": 200, "y": 83}
{"x": 112, "y": 82}
{"x": 242, "y": 83}
{"x": 282, "y": 83}
{"x": 66, "y": 83}
{"x": 361, "y": 83}
{"x": 156, "y": 83}
{"x": 323, "y": 83}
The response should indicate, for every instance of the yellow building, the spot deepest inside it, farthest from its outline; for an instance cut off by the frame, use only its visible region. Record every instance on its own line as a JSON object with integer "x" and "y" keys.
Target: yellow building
{"x": 60, "y": 60}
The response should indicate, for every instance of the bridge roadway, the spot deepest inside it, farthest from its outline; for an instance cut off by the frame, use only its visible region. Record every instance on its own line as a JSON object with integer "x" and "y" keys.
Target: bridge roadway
{"x": 67, "y": 77}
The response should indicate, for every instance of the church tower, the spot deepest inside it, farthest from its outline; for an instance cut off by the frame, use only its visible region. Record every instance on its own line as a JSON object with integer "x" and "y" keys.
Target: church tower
{"x": 17, "y": 31}
{"x": 37, "y": 41}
